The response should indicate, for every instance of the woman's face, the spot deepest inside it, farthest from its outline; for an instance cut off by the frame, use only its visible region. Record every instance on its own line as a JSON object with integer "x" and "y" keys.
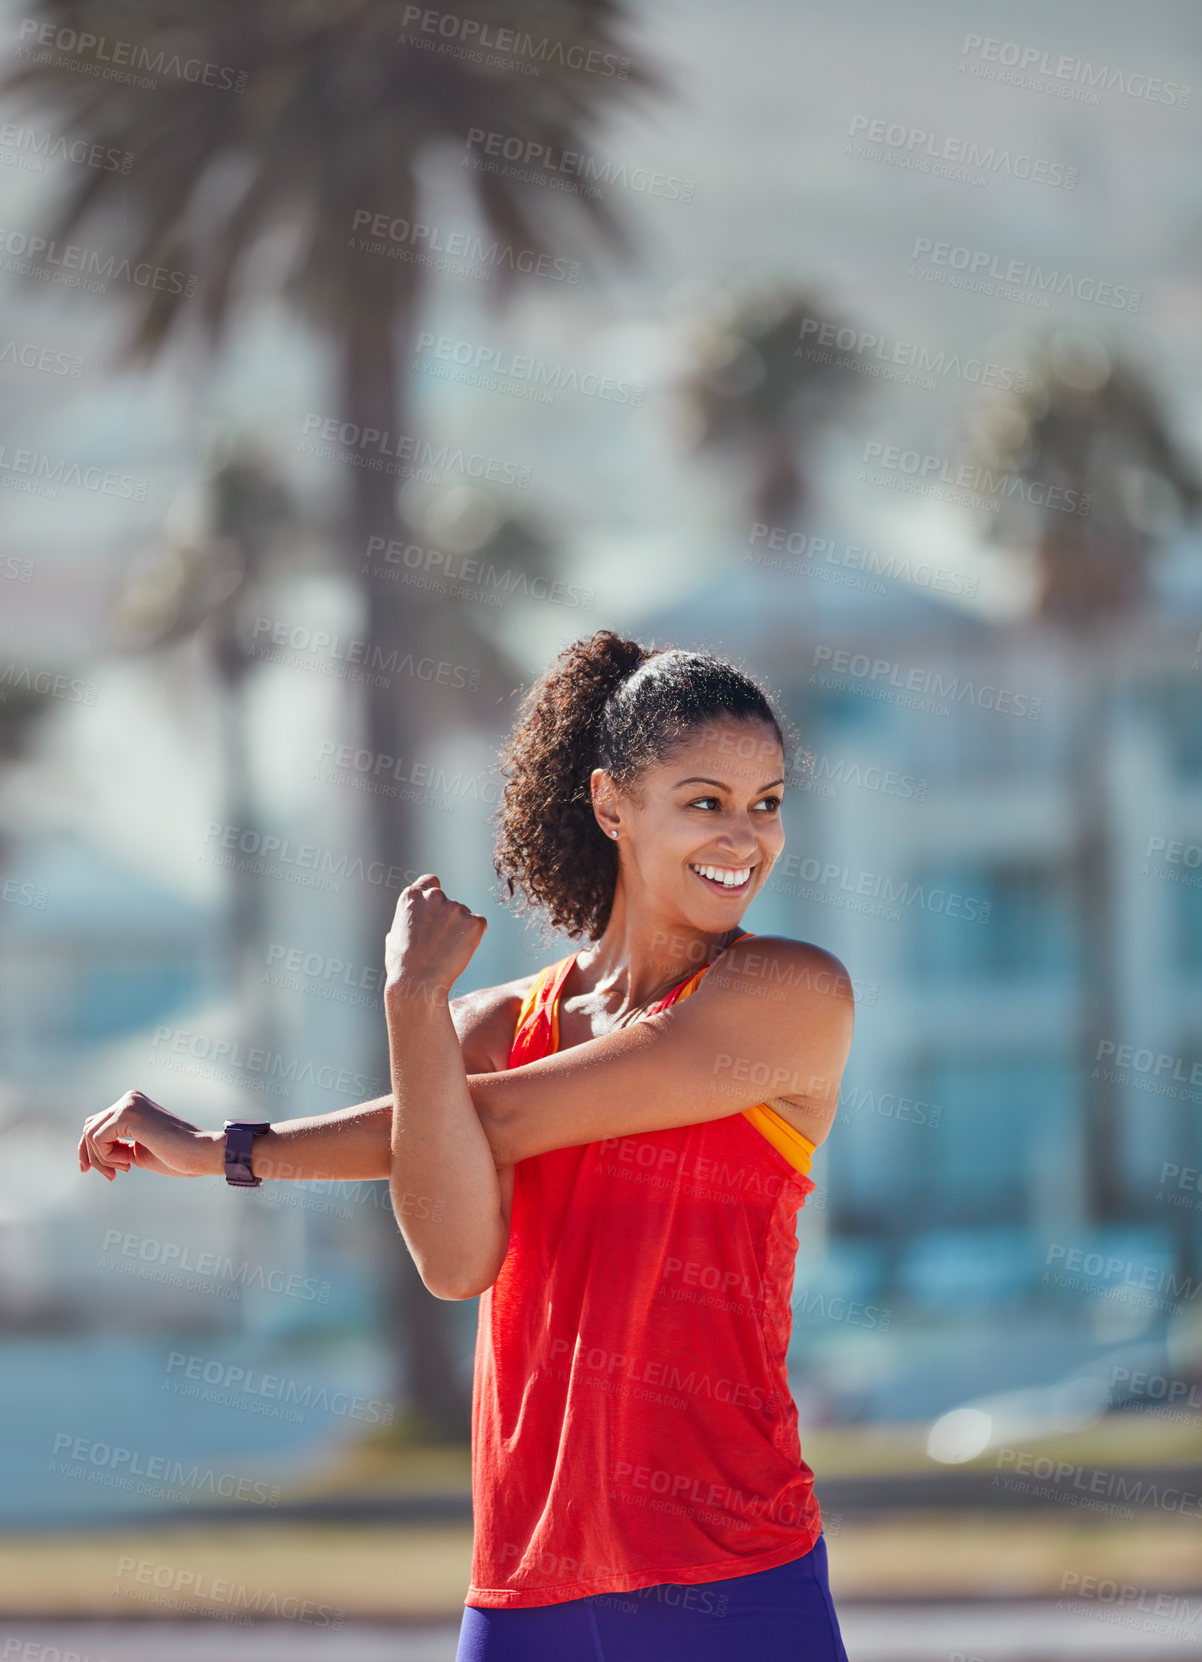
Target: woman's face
{"x": 700, "y": 832}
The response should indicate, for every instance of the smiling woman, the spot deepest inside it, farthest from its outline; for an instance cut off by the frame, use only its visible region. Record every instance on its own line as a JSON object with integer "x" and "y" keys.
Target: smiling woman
{"x": 604, "y": 714}
{"x": 611, "y": 1153}
{"x": 652, "y": 1104}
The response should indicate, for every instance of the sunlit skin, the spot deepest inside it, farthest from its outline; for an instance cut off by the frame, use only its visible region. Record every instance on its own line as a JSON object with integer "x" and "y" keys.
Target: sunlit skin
{"x": 459, "y": 1119}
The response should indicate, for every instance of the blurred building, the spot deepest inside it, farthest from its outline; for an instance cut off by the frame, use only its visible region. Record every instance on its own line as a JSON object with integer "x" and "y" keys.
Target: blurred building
{"x": 990, "y": 1134}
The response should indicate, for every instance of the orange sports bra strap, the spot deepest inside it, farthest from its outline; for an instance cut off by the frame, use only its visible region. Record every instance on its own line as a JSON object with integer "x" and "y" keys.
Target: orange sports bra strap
{"x": 542, "y": 991}
{"x": 531, "y": 999}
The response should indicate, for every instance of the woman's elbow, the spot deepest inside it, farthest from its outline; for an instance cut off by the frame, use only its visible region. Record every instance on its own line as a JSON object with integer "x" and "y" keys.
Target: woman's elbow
{"x": 456, "y": 1289}
{"x": 461, "y": 1279}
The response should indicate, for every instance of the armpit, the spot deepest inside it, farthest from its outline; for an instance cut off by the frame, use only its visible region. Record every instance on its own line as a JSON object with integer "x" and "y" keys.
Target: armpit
{"x": 484, "y": 1021}
{"x": 812, "y": 1120}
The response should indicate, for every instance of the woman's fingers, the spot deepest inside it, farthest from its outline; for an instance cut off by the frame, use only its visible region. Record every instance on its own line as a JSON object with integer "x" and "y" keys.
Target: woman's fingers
{"x": 90, "y": 1154}
{"x": 431, "y": 940}
{"x": 103, "y": 1141}
{"x": 137, "y": 1132}
{"x": 109, "y": 1138}
{"x": 427, "y": 883}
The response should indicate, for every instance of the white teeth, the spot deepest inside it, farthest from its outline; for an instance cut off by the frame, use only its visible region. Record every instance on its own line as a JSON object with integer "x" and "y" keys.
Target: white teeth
{"x": 724, "y": 875}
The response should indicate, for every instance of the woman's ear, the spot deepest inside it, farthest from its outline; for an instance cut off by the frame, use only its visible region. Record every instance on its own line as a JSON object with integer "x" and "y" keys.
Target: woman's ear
{"x": 606, "y": 806}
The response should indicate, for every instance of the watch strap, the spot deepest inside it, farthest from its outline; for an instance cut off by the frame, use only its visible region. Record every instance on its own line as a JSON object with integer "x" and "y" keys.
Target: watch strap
{"x": 239, "y": 1139}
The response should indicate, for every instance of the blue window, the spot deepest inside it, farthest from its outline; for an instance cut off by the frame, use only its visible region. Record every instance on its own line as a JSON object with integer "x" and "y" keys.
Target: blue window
{"x": 972, "y": 1159}
{"x": 1186, "y": 902}
{"x": 1180, "y": 710}
{"x": 1009, "y": 922}
{"x": 1022, "y": 738}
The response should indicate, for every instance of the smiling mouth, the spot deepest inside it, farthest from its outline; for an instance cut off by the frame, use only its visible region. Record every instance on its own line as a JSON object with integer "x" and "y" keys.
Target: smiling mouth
{"x": 733, "y": 880}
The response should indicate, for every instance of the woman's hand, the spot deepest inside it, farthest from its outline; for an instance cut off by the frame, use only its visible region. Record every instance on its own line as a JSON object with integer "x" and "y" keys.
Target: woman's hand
{"x": 136, "y": 1132}
{"x": 431, "y": 941}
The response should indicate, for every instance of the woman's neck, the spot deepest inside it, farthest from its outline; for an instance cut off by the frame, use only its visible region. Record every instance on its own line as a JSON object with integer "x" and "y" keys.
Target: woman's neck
{"x": 638, "y": 959}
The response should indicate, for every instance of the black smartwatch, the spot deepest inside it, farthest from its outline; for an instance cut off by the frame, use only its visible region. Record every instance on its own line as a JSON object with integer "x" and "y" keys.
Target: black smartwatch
{"x": 239, "y": 1136}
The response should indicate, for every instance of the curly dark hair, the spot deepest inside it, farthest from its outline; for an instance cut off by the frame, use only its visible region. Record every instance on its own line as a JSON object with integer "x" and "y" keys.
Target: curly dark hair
{"x": 610, "y": 703}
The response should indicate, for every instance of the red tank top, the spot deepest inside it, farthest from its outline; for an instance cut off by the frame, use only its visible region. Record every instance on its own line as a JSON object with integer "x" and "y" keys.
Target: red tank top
{"x": 631, "y": 1415}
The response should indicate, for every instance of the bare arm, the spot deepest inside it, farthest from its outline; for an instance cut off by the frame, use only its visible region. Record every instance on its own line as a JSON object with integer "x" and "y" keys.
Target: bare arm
{"x": 347, "y": 1144}
{"x": 350, "y": 1144}
{"x": 772, "y": 1018}
{"x": 458, "y": 1232}
{"x": 445, "y": 1188}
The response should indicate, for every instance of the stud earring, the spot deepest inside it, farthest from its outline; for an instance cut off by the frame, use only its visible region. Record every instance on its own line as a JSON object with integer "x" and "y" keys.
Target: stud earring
{"x": 613, "y": 833}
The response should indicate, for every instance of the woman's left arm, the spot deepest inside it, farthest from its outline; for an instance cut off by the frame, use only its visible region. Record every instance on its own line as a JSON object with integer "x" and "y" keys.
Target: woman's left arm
{"x": 770, "y": 1018}
{"x": 439, "y": 1155}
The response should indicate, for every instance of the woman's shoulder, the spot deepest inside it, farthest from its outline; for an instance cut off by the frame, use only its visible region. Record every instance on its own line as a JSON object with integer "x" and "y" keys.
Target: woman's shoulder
{"x": 794, "y": 994}
{"x": 485, "y": 1020}
{"x": 776, "y": 966}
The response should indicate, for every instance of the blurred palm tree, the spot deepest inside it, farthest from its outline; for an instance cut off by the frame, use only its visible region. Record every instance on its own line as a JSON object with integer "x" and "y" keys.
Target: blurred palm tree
{"x": 22, "y": 712}
{"x": 218, "y": 545}
{"x": 1090, "y": 433}
{"x": 1104, "y": 485}
{"x": 762, "y": 390}
{"x": 313, "y": 111}
{"x": 510, "y": 555}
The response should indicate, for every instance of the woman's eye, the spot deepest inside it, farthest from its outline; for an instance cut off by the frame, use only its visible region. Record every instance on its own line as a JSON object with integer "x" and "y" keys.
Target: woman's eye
{"x": 771, "y": 803}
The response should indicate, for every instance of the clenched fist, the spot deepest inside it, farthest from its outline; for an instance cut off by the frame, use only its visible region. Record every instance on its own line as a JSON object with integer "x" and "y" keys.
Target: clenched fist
{"x": 431, "y": 941}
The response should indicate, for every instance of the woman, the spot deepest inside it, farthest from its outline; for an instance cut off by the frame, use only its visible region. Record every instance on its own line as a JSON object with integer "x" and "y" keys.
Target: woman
{"x": 611, "y": 1153}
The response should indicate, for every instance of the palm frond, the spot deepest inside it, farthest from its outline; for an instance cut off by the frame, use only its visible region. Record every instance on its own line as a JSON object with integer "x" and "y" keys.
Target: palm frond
{"x": 338, "y": 106}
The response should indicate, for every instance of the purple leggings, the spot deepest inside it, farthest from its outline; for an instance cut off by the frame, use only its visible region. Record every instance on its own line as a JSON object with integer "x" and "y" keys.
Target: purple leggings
{"x": 779, "y": 1615}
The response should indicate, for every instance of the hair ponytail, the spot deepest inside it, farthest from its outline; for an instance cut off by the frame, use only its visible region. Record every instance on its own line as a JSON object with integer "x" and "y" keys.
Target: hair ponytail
{"x": 550, "y": 844}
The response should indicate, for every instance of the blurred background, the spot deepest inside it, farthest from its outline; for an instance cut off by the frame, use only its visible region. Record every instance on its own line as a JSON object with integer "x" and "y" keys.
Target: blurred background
{"x": 356, "y": 356}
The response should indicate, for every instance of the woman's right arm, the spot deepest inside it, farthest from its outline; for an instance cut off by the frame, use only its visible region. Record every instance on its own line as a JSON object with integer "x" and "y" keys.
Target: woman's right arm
{"x": 351, "y": 1144}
